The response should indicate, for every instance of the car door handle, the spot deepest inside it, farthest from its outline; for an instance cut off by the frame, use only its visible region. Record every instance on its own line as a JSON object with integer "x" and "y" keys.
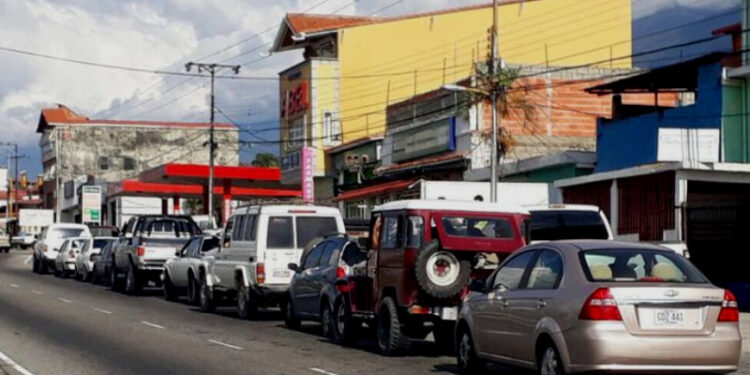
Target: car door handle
{"x": 540, "y": 304}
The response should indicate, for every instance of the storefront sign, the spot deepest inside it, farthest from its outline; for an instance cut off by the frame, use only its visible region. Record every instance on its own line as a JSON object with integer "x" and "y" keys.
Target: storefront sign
{"x": 432, "y": 138}
{"x": 91, "y": 204}
{"x": 690, "y": 145}
{"x": 295, "y": 100}
{"x": 308, "y": 170}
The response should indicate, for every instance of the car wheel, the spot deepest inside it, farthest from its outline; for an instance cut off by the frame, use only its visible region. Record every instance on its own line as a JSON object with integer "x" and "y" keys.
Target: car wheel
{"x": 169, "y": 291}
{"x": 290, "y": 317}
{"x": 440, "y": 273}
{"x": 326, "y": 320}
{"x": 43, "y": 269}
{"x": 344, "y": 326}
{"x": 444, "y": 338}
{"x": 207, "y": 302}
{"x": 76, "y": 274}
{"x": 466, "y": 355}
{"x": 245, "y": 308}
{"x": 34, "y": 265}
{"x": 391, "y": 340}
{"x": 94, "y": 277}
{"x": 193, "y": 294}
{"x": 114, "y": 281}
{"x": 132, "y": 284}
{"x": 550, "y": 363}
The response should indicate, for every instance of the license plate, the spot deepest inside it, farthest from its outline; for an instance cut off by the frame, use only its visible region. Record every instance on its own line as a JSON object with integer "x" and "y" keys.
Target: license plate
{"x": 449, "y": 313}
{"x": 688, "y": 319}
{"x": 281, "y": 273}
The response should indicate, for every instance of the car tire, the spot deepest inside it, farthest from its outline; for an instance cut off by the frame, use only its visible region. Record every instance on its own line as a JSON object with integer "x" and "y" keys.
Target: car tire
{"x": 326, "y": 320}
{"x": 76, "y": 274}
{"x": 245, "y": 308}
{"x": 345, "y": 328}
{"x": 445, "y": 339}
{"x": 43, "y": 268}
{"x": 193, "y": 293}
{"x": 466, "y": 355}
{"x": 94, "y": 277}
{"x": 290, "y": 317}
{"x": 34, "y": 265}
{"x": 550, "y": 362}
{"x": 440, "y": 273}
{"x": 170, "y": 294}
{"x": 132, "y": 282}
{"x": 391, "y": 339}
{"x": 207, "y": 303}
{"x": 114, "y": 282}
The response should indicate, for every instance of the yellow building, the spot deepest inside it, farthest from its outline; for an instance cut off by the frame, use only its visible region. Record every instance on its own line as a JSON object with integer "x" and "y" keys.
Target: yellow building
{"x": 355, "y": 66}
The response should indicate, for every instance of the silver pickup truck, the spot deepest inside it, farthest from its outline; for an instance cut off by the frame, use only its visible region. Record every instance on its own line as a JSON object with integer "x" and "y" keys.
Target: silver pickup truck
{"x": 144, "y": 246}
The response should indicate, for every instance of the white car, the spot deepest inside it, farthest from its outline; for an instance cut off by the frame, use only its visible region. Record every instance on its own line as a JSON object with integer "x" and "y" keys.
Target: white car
{"x": 65, "y": 262}
{"x": 4, "y": 242}
{"x": 181, "y": 272}
{"x": 207, "y": 224}
{"x": 23, "y": 240}
{"x": 50, "y": 241}
{"x": 85, "y": 259}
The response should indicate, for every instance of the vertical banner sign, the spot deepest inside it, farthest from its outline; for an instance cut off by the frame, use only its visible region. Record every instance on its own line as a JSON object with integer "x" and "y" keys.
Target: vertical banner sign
{"x": 91, "y": 204}
{"x": 308, "y": 168}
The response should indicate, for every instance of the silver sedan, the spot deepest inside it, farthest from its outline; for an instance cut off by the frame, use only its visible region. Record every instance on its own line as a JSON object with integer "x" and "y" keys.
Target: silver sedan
{"x": 578, "y": 306}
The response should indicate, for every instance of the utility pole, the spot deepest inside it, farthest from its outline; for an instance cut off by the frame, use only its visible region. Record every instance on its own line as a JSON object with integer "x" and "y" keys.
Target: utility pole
{"x": 58, "y": 166}
{"x": 211, "y": 69}
{"x": 14, "y": 187}
{"x": 493, "y": 96}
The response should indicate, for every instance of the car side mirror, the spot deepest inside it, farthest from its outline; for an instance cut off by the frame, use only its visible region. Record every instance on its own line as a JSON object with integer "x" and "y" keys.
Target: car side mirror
{"x": 478, "y": 285}
{"x": 293, "y": 267}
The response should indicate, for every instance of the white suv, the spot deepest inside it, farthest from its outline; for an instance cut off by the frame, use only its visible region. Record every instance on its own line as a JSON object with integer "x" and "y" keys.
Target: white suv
{"x": 50, "y": 241}
{"x": 568, "y": 222}
{"x": 259, "y": 242}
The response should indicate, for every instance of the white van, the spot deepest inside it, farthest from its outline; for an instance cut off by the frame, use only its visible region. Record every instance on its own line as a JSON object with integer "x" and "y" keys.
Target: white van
{"x": 568, "y": 222}
{"x": 257, "y": 246}
{"x": 50, "y": 241}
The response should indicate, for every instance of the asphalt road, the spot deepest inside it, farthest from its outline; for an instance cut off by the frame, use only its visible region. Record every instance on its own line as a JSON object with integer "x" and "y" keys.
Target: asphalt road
{"x": 54, "y": 326}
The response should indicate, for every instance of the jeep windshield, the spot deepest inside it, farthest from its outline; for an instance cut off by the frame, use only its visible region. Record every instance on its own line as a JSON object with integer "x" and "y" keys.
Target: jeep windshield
{"x": 567, "y": 225}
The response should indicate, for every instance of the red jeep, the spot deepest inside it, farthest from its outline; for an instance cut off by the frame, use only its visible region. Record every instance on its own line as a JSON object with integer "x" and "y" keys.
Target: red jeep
{"x": 421, "y": 256}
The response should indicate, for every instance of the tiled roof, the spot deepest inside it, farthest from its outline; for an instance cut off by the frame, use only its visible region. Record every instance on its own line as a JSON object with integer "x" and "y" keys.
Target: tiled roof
{"x": 63, "y": 115}
{"x": 310, "y": 23}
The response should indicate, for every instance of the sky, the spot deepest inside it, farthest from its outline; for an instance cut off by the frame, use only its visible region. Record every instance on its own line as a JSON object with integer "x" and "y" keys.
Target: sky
{"x": 166, "y": 34}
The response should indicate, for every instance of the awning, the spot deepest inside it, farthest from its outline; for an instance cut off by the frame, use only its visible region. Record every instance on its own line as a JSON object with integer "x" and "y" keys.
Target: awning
{"x": 369, "y": 191}
{"x": 196, "y": 174}
{"x": 139, "y": 188}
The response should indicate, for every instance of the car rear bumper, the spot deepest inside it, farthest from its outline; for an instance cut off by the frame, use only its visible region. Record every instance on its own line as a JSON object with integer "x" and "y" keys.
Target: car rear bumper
{"x": 608, "y": 346}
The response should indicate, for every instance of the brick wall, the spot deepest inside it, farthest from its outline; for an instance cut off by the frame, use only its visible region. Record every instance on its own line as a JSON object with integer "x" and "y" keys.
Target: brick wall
{"x": 559, "y": 114}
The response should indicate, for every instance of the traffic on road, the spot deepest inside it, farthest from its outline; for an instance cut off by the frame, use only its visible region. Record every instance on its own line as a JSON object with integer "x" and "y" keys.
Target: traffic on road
{"x": 465, "y": 279}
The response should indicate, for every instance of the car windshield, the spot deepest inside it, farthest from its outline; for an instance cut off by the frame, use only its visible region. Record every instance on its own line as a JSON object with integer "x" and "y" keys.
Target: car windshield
{"x": 309, "y": 228}
{"x": 638, "y": 265}
{"x": 60, "y": 233}
{"x": 567, "y": 225}
{"x": 205, "y": 225}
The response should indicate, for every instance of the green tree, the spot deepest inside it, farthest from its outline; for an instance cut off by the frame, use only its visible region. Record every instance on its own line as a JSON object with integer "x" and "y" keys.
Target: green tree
{"x": 265, "y": 159}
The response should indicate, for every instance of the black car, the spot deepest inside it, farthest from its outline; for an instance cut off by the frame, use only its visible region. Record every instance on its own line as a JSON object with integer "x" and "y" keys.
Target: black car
{"x": 319, "y": 285}
{"x": 102, "y": 264}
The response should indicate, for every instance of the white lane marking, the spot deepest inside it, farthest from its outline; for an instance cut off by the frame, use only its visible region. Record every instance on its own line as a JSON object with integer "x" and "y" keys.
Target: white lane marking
{"x": 64, "y": 300}
{"x": 4, "y": 358}
{"x": 14, "y": 285}
{"x": 321, "y": 371}
{"x": 230, "y": 346}
{"x": 152, "y": 325}
{"x": 36, "y": 292}
{"x": 28, "y": 260}
{"x": 105, "y": 312}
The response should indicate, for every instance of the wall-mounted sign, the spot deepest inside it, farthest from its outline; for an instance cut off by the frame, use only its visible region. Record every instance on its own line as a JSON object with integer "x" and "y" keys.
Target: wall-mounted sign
{"x": 295, "y": 100}
{"x": 91, "y": 204}
{"x": 308, "y": 170}
{"x": 290, "y": 162}
{"x": 691, "y": 145}
{"x": 432, "y": 138}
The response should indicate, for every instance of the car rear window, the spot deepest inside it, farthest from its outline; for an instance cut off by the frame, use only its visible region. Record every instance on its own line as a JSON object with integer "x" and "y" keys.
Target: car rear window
{"x": 308, "y": 228}
{"x": 639, "y": 265}
{"x": 61, "y": 233}
{"x": 477, "y": 227}
{"x": 567, "y": 225}
{"x": 280, "y": 233}
{"x": 98, "y": 244}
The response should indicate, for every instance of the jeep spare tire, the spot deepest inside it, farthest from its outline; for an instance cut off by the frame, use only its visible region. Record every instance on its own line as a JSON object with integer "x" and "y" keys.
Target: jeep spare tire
{"x": 440, "y": 273}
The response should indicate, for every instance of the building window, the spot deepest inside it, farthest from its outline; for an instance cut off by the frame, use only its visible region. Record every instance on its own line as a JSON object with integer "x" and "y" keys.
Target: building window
{"x": 296, "y": 134}
{"x": 128, "y": 164}
{"x": 103, "y": 163}
{"x": 327, "y": 128}
{"x": 357, "y": 210}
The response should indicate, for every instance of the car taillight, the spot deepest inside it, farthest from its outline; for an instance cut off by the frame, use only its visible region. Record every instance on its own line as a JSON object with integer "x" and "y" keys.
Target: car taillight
{"x": 730, "y": 311}
{"x": 340, "y": 273}
{"x": 141, "y": 251}
{"x": 600, "y": 306}
{"x": 260, "y": 273}
{"x": 71, "y": 254}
